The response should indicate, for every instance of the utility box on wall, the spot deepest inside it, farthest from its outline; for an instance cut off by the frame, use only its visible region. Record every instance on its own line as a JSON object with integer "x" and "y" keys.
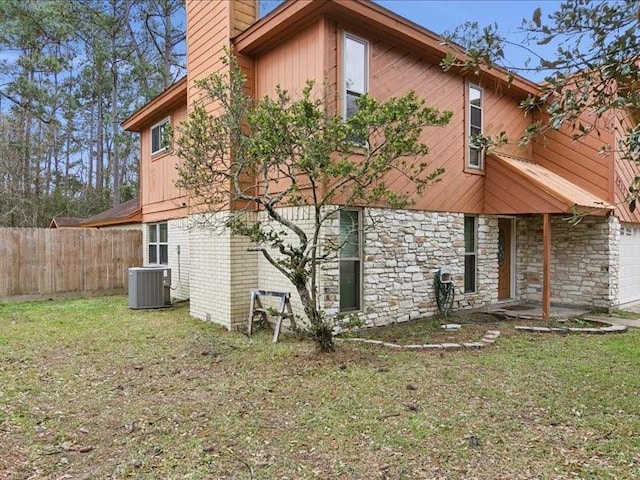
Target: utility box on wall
{"x": 149, "y": 287}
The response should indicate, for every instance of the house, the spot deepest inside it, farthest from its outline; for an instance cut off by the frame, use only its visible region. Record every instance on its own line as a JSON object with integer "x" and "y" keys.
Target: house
{"x": 65, "y": 222}
{"x": 498, "y": 220}
{"x": 126, "y": 215}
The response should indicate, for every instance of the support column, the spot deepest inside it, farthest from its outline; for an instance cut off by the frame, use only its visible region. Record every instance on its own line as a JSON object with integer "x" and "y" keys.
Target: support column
{"x": 546, "y": 267}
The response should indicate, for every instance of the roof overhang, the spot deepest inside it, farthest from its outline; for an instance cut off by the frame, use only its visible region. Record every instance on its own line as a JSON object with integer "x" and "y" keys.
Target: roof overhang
{"x": 65, "y": 222}
{"x": 166, "y": 101}
{"x": 366, "y": 15}
{"x": 134, "y": 218}
{"x": 519, "y": 186}
{"x": 126, "y": 213}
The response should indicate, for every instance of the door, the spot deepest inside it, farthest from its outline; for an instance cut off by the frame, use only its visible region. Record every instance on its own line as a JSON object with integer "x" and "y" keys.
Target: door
{"x": 504, "y": 258}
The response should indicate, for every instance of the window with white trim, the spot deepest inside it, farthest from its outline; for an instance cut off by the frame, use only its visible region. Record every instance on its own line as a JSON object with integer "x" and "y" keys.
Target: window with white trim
{"x": 356, "y": 71}
{"x": 470, "y": 253}
{"x": 475, "y": 152}
{"x": 158, "y": 243}
{"x": 350, "y": 260}
{"x": 159, "y": 141}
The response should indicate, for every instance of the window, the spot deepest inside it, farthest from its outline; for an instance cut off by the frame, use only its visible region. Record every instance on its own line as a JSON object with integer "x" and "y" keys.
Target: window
{"x": 350, "y": 260}
{"x": 474, "y": 121}
{"x": 355, "y": 68}
{"x": 158, "y": 243}
{"x": 159, "y": 141}
{"x": 470, "y": 253}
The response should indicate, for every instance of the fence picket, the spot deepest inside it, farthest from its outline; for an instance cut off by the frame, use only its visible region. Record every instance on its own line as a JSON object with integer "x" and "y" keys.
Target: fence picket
{"x": 66, "y": 260}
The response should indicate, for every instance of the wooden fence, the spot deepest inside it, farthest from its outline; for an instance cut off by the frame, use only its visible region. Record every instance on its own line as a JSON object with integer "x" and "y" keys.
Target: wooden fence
{"x": 41, "y": 261}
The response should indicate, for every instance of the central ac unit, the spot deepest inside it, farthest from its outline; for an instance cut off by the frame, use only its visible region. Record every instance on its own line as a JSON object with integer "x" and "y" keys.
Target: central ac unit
{"x": 149, "y": 287}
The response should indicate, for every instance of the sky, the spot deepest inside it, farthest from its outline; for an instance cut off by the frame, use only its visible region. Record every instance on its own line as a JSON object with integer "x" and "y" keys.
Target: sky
{"x": 442, "y": 16}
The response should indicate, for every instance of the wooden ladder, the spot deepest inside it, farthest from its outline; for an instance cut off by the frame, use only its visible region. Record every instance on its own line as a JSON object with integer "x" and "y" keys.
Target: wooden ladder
{"x": 258, "y": 309}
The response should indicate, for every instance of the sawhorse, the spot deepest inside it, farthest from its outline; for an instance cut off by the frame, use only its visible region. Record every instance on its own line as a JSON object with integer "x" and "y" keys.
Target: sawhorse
{"x": 256, "y": 308}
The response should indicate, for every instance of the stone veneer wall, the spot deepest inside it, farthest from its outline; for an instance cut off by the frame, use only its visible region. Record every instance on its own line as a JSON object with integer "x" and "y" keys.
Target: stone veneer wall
{"x": 401, "y": 250}
{"x": 614, "y": 261}
{"x": 178, "y": 236}
{"x": 584, "y": 260}
{"x": 222, "y": 274}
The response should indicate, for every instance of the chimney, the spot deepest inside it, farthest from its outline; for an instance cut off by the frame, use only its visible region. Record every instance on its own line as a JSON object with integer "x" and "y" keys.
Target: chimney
{"x": 210, "y": 26}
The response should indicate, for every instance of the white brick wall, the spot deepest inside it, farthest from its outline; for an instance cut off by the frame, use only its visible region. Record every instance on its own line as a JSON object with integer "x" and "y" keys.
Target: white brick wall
{"x": 179, "y": 257}
{"x": 222, "y": 274}
{"x": 269, "y": 278}
{"x": 178, "y": 236}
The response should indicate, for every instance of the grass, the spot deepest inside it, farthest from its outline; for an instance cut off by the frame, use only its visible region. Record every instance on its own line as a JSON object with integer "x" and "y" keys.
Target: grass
{"x": 91, "y": 389}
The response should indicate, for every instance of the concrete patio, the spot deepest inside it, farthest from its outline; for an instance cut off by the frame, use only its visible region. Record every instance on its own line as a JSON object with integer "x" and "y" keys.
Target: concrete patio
{"x": 531, "y": 311}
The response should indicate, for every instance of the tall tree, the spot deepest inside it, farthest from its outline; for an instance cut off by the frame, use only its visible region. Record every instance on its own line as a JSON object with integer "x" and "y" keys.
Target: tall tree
{"x": 70, "y": 72}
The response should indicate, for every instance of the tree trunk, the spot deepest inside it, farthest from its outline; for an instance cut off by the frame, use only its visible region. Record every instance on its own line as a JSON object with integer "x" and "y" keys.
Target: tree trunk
{"x": 100, "y": 144}
{"x": 168, "y": 47}
{"x": 321, "y": 331}
{"x": 115, "y": 157}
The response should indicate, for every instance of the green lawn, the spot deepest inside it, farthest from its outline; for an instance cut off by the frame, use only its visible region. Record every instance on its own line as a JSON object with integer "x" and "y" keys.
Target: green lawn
{"x": 91, "y": 389}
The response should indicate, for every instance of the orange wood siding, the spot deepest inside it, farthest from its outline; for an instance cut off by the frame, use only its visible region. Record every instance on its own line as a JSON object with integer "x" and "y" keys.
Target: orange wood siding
{"x": 160, "y": 198}
{"x": 244, "y": 13}
{"x": 394, "y": 72}
{"x": 509, "y": 193}
{"x": 210, "y": 27}
{"x": 579, "y": 161}
{"x": 290, "y": 64}
{"x": 315, "y": 53}
{"x": 516, "y": 186}
{"x": 625, "y": 172}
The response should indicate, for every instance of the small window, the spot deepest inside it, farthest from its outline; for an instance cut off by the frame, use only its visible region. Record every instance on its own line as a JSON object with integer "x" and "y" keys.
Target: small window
{"x": 470, "y": 253}
{"x": 158, "y": 243}
{"x": 475, "y": 157}
{"x": 159, "y": 141}
{"x": 350, "y": 260}
{"x": 355, "y": 68}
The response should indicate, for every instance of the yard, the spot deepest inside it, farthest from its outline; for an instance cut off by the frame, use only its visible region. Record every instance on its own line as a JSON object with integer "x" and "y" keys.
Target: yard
{"x": 91, "y": 389}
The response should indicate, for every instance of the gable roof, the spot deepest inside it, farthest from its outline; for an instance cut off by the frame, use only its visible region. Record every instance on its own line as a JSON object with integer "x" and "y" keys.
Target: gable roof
{"x": 365, "y": 14}
{"x": 165, "y": 101}
{"x": 127, "y": 212}
{"x": 65, "y": 222}
{"x": 520, "y": 186}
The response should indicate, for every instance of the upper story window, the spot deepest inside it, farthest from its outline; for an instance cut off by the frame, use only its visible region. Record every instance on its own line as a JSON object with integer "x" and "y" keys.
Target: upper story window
{"x": 475, "y": 155}
{"x": 159, "y": 142}
{"x": 356, "y": 72}
{"x": 158, "y": 243}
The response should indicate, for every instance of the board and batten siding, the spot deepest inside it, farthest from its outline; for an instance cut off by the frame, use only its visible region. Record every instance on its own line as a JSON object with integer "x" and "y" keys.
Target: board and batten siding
{"x": 290, "y": 64}
{"x": 42, "y": 261}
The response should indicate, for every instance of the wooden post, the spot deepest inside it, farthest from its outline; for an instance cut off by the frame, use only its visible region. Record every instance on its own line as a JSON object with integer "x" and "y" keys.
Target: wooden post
{"x": 546, "y": 267}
